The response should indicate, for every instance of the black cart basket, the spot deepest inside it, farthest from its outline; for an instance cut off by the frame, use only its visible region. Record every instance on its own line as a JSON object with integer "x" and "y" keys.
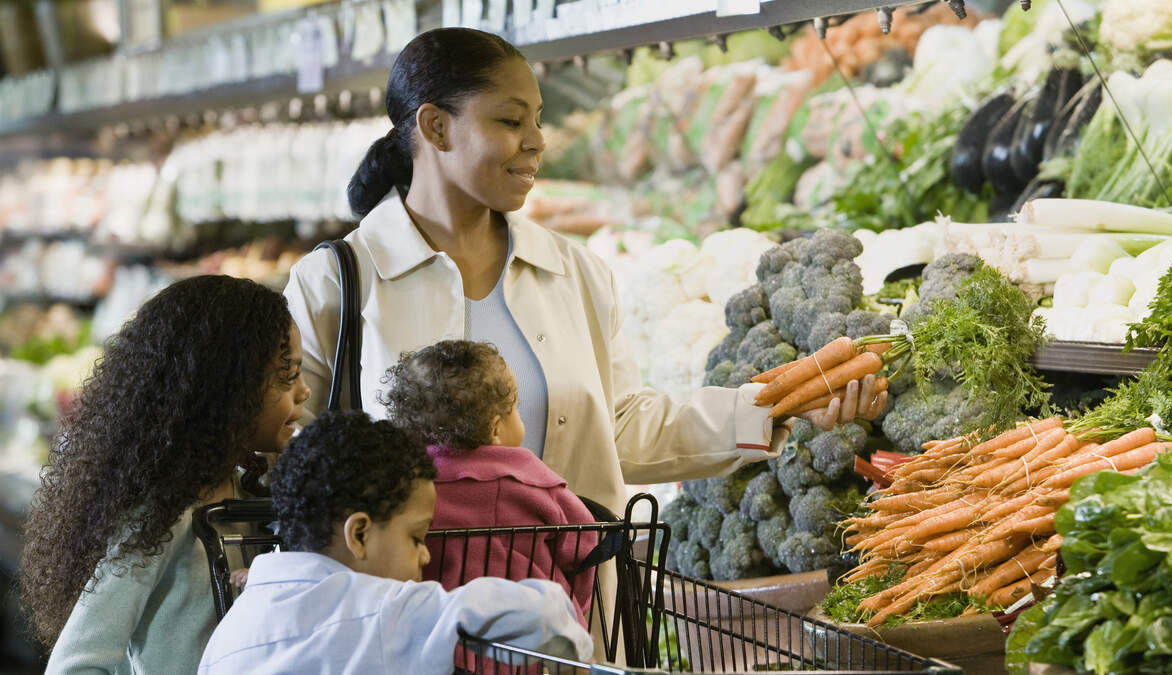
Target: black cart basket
{"x": 654, "y": 620}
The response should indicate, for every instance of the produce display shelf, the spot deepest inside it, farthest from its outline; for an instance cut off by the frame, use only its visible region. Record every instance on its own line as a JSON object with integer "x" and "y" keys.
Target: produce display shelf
{"x": 555, "y": 40}
{"x": 1092, "y": 358}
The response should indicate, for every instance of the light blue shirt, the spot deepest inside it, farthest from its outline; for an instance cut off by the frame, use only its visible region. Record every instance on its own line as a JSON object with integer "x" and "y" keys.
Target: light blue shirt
{"x": 489, "y": 320}
{"x": 308, "y": 613}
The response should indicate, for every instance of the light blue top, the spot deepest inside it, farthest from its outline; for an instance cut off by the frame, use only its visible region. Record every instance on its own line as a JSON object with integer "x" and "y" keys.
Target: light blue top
{"x": 308, "y": 613}
{"x": 153, "y": 619}
{"x": 489, "y": 320}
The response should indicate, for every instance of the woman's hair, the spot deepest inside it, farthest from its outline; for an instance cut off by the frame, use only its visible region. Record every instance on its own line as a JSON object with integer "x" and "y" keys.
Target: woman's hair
{"x": 167, "y": 414}
{"x": 343, "y": 463}
{"x": 442, "y": 67}
{"x": 448, "y": 394}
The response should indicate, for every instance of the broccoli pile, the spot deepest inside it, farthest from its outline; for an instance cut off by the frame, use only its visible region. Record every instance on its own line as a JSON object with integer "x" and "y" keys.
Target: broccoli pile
{"x": 807, "y": 293}
{"x": 773, "y": 517}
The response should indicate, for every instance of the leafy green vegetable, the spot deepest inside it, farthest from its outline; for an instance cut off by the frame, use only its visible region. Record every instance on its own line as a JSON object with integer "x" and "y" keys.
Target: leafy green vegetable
{"x": 880, "y": 195}
{"x": 984, "y": 339}
{"x": 1024, "y": 628}
{"x": 1132, "y": 404}
{"x": 1156, "y": 329}
{"x": 769, "y": 193}
{"x": 40, "y": 350}
{"x": 1112, "y": 612}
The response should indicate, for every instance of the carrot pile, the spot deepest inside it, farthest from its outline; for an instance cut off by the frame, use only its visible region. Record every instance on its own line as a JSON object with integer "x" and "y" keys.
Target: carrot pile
{"x": 979, "y": 518}
{"x": 816, "y": 380}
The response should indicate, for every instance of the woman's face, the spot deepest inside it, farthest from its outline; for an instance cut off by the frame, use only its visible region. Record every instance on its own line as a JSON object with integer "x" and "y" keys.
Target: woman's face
{"x": 496, "y": 142}
{"x": 285, "y": 393}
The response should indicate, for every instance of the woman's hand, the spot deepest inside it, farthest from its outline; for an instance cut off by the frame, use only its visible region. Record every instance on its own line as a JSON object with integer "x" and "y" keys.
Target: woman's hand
{"x": 860, "y": 401}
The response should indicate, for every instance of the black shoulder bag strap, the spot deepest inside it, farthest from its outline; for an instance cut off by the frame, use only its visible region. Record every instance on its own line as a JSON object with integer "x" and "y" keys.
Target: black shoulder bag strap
{"x": 348, "y": 355}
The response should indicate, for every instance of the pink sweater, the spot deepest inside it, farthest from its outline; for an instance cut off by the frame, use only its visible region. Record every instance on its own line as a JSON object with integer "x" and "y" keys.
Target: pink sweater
{"x": 505, "y": 487}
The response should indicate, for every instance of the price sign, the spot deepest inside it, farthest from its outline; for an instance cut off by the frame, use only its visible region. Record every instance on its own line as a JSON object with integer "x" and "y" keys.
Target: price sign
{"x": 738, "y": 7}
{"x": 311, "y": 71}
{"x": 401, "y": 23}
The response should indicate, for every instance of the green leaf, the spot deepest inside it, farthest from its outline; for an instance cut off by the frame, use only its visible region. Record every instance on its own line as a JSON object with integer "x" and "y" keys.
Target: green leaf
{"x": 1025, "y": 627}
{"x": 1104, "y": 641}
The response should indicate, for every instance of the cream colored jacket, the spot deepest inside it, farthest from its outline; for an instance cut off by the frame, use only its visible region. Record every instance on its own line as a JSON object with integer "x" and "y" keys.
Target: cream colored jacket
{"x": 604, "y": 428}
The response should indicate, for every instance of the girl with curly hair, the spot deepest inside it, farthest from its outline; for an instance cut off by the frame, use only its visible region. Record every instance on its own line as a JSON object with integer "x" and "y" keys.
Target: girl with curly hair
{"x": 460, "y": 398}
{"x": 205, "y": 376}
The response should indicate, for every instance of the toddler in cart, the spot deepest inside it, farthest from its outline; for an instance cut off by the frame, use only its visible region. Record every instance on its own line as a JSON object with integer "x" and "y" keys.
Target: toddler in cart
{"x": 460, "y": 398}
{"x": 354, "y": 499}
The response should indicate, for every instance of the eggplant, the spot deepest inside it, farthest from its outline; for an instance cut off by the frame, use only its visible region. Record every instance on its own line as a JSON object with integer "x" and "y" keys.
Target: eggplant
{"x": 996, "y": 160}
{"x": 1030, "y": 136}
{"x": 1038, "y": 189}
{"x": 1086, "y": 110}
{"x": 970, "y": 142}
{"x": 1064, "y": 116}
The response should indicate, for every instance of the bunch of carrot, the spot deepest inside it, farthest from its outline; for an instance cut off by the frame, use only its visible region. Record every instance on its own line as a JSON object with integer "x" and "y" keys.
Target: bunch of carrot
{"x": 978, "y": 518}
{"x": 813, "y": 382}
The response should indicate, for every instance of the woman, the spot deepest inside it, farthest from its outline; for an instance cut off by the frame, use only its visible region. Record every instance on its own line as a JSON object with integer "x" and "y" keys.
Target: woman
{"x": 443, "y": 255}
{"x": 205, "y": 376}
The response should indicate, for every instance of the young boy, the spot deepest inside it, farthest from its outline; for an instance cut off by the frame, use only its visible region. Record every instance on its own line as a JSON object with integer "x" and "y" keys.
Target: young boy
{"x": 354, "y": 499}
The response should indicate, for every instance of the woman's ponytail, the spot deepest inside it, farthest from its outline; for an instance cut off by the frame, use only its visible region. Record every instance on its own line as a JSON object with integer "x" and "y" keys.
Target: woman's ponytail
{"x": 442, "y": 67}
{"x": 387, "y": 165}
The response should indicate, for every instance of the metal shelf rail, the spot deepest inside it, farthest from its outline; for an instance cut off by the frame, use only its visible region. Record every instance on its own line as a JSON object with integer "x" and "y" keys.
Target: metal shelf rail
{"x": 544, "y": 30}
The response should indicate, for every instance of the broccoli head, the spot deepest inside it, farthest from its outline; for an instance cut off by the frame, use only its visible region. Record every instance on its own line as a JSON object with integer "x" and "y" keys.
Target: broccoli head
{"x": 726, "y": 492}
{"x": 942, "y": 410}
{"x": 815, "y": 510}
{"x": 679, "y": 514}
{"x": 781, "y": 353}
{"x": 747, "y": 308}
{"x": 771, "y": 535}
{"x": 738, "y": 555}
{"x": 706, "y": 528}
{"x": 718, "y": 376}
{"x": 763, "y": 497}
{"x": 849, "y": 280}
{"x": 697, "y": 490}
{"x": 795, "y": 469}
{"x": 827, "y": 328}
{"x": 803, "y": 431}
{"x": 806, "y": 552}
{"x": 727, "y": 349}
{"x": 829, "y": 247}
{"x": 758, "y": 341}
{"x": 772, "y": 262}
{"x": 742, "y": 373}
{"x": 861, "y": 323}
{"x": 942, "y": 279}
{"x": 807, "y": 313}
{"x": 834, "y": 451}
{"x": 692, "y": 560}
{"x": 783, "y": 304}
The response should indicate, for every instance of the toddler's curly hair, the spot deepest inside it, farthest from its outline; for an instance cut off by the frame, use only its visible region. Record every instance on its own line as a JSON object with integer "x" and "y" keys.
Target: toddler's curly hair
{"x": 448, "y": 394}
{"x": 342, "y": 463}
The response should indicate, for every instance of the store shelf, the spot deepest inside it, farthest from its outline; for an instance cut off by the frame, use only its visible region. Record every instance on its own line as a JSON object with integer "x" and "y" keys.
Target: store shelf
{"x": 617, "y": 25}
{"x": 1092, "y": 358}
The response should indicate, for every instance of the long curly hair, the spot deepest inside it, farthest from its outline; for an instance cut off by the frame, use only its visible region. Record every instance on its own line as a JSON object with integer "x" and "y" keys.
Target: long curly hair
{"x": 167, "y": 414}
{"x": 448, "y": 393}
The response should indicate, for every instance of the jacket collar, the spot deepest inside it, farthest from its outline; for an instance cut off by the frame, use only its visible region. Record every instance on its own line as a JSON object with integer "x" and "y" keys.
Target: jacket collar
{"x": 491, "y": 462}
{"x": 397, "y": 247}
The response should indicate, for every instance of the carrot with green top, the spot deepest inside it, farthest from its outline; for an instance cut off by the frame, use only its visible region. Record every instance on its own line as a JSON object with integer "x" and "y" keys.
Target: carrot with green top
{"x": 1133, "y": 459}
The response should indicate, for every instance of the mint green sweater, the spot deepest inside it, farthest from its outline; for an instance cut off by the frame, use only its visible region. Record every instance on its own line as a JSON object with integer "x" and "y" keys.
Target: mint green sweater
{"x": 153, "y": 619}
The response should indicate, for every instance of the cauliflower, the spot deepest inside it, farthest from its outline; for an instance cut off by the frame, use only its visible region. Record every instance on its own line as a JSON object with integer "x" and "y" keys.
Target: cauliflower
{"x": 729, "y": 261}
{"x": 891, "y": 250}
{"x": 680, "y": 346}
{"x": 1143, "y": 26}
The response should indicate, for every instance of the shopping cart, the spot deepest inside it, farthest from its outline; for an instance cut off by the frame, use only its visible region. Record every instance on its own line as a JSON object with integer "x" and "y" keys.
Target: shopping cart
{"x": 666, "y": 622}
{"x": 236, "y": 528}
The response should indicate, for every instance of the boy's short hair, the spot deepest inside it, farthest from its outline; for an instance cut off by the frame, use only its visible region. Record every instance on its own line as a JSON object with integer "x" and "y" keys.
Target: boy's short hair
{"x": 447, "y": 394}
{"x": 342, "y": 463}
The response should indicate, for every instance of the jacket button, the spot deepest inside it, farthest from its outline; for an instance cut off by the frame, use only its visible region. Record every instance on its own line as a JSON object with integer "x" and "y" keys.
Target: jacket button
{"x": 561, "y": 420}
{"x": 541, "y": 337}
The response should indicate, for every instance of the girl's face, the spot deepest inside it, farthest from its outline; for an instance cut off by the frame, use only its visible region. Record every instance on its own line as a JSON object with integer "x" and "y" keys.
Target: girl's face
{"x": 282, "y": 400}
{"x": 496, "y": 142}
